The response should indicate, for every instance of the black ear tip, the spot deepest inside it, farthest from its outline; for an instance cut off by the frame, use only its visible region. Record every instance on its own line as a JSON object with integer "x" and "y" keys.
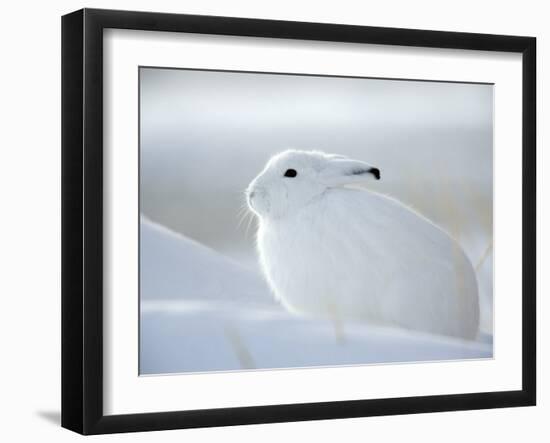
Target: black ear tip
{"x": 375, "y": 172}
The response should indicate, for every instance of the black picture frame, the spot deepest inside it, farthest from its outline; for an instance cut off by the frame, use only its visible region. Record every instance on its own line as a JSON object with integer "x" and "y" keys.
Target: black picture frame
{"x": 82, "y": 220}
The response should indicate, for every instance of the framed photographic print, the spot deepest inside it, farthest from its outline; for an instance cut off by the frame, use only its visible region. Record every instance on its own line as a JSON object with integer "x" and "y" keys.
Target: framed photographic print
{"x": 270, "y": 221}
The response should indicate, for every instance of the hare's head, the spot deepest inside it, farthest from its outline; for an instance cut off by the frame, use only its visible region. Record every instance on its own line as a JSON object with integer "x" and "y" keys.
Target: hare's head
{"x": 293, "y": 179}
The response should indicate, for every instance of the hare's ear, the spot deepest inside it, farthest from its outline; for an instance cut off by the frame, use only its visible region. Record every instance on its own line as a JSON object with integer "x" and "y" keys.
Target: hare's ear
{"x": 341, "y": 171}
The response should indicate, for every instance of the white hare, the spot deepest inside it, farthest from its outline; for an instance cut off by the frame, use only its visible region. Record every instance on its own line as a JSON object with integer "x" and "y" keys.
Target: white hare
{"x": 352, "y": 254}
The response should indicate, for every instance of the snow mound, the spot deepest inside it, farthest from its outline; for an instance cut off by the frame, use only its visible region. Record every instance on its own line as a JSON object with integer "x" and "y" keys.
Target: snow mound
{"x": 194, "y": 337}
{"x": 174, "y": 267}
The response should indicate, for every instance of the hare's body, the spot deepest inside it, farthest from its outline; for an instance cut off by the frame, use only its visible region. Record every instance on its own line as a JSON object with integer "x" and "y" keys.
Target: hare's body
{"x": 374, "y": 260}
{"x": 356, "y": 255}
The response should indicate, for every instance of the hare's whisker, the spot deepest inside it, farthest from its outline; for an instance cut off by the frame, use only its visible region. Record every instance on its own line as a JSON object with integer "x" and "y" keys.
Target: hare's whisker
{"x": 250, "y": 221}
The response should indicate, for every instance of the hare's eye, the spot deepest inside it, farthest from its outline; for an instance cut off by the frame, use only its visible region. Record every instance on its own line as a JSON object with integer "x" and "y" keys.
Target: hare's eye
{"x": 291, "y": 173}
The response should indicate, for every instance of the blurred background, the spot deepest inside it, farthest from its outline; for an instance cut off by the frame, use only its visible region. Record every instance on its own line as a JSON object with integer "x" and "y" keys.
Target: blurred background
{"x": 204, "y": 135}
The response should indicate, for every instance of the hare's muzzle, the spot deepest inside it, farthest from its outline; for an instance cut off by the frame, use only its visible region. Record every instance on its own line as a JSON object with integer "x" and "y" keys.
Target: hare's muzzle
{"x": 256, "y": 197}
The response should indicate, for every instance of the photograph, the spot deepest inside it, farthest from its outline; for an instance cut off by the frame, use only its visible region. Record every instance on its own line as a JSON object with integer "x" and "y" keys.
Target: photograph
{"x": 292, "y": 220}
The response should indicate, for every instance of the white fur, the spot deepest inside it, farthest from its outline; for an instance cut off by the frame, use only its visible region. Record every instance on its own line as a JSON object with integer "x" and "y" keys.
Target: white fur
{"x": 353, "y": 254}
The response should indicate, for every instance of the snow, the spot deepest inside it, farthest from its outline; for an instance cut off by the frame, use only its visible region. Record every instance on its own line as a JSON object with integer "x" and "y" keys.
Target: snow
{"x": 200, "y": 311}
{"x": 173, "y": 267}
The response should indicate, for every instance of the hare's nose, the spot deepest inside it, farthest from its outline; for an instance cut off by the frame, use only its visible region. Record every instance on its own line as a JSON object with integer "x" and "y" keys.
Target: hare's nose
{"x": 256, "y": 192}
